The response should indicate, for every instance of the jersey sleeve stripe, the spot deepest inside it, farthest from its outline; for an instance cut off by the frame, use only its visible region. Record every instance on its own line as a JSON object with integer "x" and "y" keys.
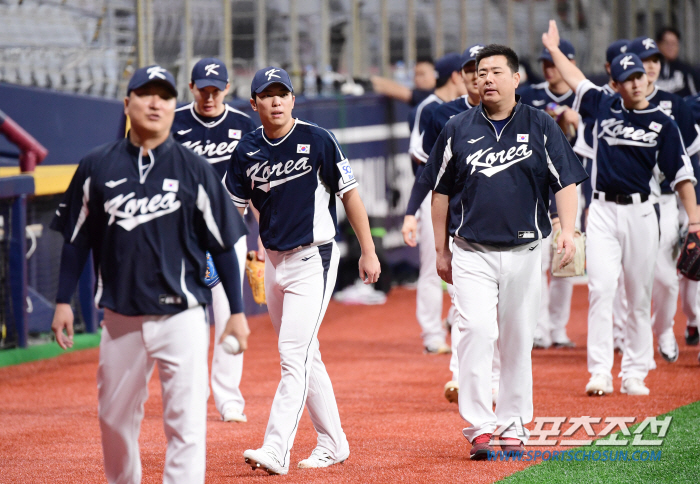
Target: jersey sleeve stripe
{"x": 695, "y": 146}
{"x": 550, "y": 165}
{"x": 582, "y": 88}
{"x": 446, "y": 157}
{"x": 238, "y": 202}
{"x": 83, "y": 210}
{"x": 204, "y": 205}
{"x": 343, "y": 190}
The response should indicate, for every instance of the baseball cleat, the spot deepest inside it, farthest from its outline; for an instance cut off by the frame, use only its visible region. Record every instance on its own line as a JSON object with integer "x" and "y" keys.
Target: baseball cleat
{"x": 321, "y": 458}
{"x": 599, "y": 385}
{"x": 481, "y": 447}
{"x": 671, "y": 357}
{"x": 438, "y": 349}
{"x": 634, "y": 386}
{"x": 692, "y": 336}
{"x": 265, "y": 460}
{"x": 512, "y": 445}
{"x": 233, "y": 415}
{"x": 540, "y": 344}
{"x": 452, "y": 391}
{"x": 564, "y": 344}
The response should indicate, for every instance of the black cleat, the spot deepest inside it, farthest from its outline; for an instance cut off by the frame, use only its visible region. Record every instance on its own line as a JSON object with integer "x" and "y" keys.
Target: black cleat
{"x": 692, "y": 337}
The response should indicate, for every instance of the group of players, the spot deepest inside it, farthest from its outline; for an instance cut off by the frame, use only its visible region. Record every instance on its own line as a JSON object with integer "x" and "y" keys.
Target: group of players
{"x": 157, "y": 220}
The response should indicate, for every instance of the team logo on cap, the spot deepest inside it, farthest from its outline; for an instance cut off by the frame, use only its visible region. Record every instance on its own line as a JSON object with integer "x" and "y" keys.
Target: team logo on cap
{"x": 523, "y": 138}
{"x": 623, "y": 49}
{"x": 648, "y": 43}
{"x": 475, "y": 50}
{"x": 626, "y": 61}
{"x": 211, "y": 69}
{"x": 303, "y": 148}
{"x": 156, "y": 71}
{"x": 271, "y": 73}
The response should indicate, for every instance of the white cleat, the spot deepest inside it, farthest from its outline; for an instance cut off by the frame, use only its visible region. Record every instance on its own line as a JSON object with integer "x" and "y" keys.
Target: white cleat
{"x": 233, "y": 415}
{"x": 634, "y": 386}
{"x": 265, "y": 460}
{"x": 321, "y": 458}
{"x": 599, "y": 385}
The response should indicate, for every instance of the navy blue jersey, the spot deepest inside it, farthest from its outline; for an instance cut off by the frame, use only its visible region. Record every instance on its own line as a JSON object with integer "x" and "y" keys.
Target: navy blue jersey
{"x": 498, "y": 185}
{"x": 422, "y": 118}
{"x": 539, "y": 95}
{"x": 291, "y": 181}
{"x": 628, "y": 145}
{"x": 148, "y": 220}
{"x": 213, "y": 138}
{"x": 584, "y": 140}
{"x": 693, "y": 102}
{"x": 441, "y": 115}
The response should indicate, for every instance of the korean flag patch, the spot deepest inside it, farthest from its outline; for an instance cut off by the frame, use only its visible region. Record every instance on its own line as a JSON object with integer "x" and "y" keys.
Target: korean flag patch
{"x": 170, "y": 185}
{"x": 234, "y": 133}
{"x": 654, "y": 126}
{"x": 304, "y": 149}
{"x": 345, "y": 171}
{"x": 523, "y": 138}
{"x": 665, "y": 104}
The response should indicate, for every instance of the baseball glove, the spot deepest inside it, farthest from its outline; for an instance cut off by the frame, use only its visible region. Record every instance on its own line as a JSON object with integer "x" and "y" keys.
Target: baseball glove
{"x": 576, "y": 267}
{"x": 255, "y": 270}
{"x": 689, "y": 260}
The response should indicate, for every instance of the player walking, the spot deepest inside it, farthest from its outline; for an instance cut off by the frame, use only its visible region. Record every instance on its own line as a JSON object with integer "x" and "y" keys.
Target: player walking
{"x": 631, "y": 137}
{"x": 213, "y": 129}
{"x": 290, "y": 169}
{"x": 149, "y": 209}
{"x": 690, "y": 298}
{"x": 491, "y": 169}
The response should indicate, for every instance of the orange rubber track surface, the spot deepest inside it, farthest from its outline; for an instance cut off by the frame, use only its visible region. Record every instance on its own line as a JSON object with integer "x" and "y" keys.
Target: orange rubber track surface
{"x": 399, "y": 425}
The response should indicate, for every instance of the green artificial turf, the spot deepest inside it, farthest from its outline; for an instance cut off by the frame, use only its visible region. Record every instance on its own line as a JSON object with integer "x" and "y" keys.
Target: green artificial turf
{"x": 679, "y": 461}
{"x": 16, "y": 356}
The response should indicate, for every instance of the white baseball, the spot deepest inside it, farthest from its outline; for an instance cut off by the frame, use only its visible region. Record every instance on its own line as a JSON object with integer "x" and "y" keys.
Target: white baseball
{"x": 231, "y": 345}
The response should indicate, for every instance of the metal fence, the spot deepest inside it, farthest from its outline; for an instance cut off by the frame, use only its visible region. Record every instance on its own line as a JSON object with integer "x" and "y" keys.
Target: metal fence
{"x": 92, "y": 46}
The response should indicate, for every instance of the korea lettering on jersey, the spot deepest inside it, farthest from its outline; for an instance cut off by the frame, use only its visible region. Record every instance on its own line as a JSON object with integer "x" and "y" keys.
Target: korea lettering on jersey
{"x": 629, "y": 145}
{"x": 129, "y": 208}
{"x": 215, "y": 139}
{"x": 290, "y": 182}
{"x": 479, "y": 170}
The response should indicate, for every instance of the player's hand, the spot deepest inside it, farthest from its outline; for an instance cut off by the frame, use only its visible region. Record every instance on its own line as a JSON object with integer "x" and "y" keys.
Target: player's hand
{"x": 410, "y": 230}
{"x": 63, "y": 320}
{"x": 369, "y": 268}
{"x": 550, "y": 39}
{"x": 237, "y": 325}
{"x": 565, "y": 243}
{"x": 261, "y": 249}
{"x": 444, "y": 265}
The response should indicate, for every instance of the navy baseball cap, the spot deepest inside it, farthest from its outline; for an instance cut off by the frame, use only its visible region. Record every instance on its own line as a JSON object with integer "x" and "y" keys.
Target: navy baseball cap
{"x": 447, "y": 64}
{"x": 644, "y": 47}
{"x": 469, "y": 55}
{"x": 148, "y": 74}
{"x": 210, "y": 72}
{"x": 624, "y": 65}
{"x": 616, "y": 48}
{"x": 566, "y": 47}
{"x": 267, "y": 76}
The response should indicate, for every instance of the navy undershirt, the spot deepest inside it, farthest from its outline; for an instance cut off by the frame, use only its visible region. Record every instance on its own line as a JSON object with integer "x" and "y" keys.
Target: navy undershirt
{"x": 500, "y": 124}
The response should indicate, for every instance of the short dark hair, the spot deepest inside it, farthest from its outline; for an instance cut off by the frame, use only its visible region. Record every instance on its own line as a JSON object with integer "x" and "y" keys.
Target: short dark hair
{"x": 427, "y": 59}
{"x": 664, "y": 30}
{"x": 497, "y": 49}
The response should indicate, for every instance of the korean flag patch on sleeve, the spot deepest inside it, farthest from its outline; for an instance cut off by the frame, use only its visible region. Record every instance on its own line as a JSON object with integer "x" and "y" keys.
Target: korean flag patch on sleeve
{"x": 345, "y": 171}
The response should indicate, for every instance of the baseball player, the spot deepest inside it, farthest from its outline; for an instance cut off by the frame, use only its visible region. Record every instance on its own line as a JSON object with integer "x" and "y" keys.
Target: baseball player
{"x": 676, "y": 76}
{"x": 555, "y": 98}
{"x": 664, "y": 295}
{"x": 148, "y": 209}
{"x": 492, "y": 168}
{"x": 213, "y": 129}
{"x": 689, "y": 289}
{"x": 421, "y": 190}
{"x": 631, "y": 139}
{"x": 290, "y": 169}
{"x": 450, "y": 86}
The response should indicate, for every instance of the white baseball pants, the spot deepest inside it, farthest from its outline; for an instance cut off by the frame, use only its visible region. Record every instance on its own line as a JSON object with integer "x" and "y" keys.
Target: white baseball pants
{"x": 664, "y": 295}
{"x": 689, "y": 301}
{"x": 555, "y": 302}
{"x": 298, "y": 287}
{"x": 620, "y": 309}
{"x": 621, "y": 238}
{"x": 497, "y": 294}
{"x": 129, "y": 349}
{"x": 226, "y": 369}
{"x": 429, "y": 287}
{"x": 454, "y": 357}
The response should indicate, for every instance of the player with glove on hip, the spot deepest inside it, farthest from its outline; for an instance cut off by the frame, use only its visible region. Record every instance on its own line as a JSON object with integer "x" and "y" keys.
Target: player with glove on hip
{"x": 291, "y": 170}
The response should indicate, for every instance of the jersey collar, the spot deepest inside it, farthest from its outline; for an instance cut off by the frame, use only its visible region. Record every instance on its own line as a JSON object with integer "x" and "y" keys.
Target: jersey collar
{"x": 279, "y": 141}
{"x": 653, "y": 93}
{"x": 206, "y": 124}
{"x": 554, "y": 97}
{"x": 164, "y": 147}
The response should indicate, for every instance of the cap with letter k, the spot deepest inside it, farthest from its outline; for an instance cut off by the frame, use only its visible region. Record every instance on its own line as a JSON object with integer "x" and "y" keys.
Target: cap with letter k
{"x": 152, "y": 74}
{"x": 210, "y": 71}
{"x": 624, "y": 65}
{"x": 268, "y": 76}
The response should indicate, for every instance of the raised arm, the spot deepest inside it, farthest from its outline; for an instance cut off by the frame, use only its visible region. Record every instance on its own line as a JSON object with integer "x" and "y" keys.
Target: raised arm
{"x": 390, "y": 88}
{"x": 571, "y": 74}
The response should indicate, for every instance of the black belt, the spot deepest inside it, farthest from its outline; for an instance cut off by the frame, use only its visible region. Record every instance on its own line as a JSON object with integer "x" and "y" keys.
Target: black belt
{"x": 619, "y": 198}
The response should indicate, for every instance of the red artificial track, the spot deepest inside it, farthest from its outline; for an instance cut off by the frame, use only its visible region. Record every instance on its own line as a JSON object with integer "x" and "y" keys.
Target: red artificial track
{"x": 399, "y": 425}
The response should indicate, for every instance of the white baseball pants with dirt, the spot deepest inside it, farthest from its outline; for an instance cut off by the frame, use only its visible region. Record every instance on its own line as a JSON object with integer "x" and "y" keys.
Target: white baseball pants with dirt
{"x": 497, "y": 294}
{"x": 130, "y": 347}
{"x": 429, "y": 287}
{"x": 298, "y": 287}
{"x": 555, "y": 303}
{"x": 226, "y": 369}
{"x": 621, "y": 238}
